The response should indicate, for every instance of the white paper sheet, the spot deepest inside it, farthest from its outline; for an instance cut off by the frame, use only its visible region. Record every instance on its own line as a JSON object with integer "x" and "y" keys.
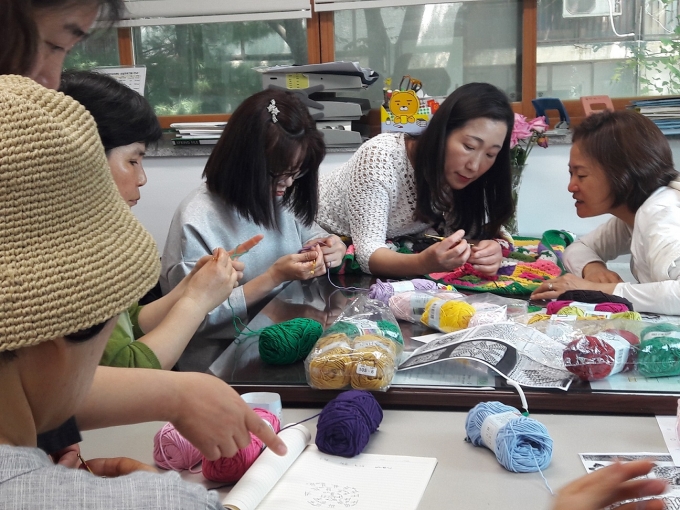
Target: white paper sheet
{"x": 131, "y": 76}
{"x": 668, "y": 426}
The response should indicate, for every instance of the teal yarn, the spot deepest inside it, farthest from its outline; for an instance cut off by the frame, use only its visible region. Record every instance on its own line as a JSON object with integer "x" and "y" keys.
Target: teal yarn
{"x": 391, "y": 331}
{"x": 288, "y": 342}
{"x": 659, "y": 351}
{"x": 522, "y": 444}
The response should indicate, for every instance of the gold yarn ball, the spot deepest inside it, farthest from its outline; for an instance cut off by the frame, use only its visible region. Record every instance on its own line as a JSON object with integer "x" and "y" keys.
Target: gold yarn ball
{"x": 572, "y": 310}
{"x": 538, "y": 318}
{"x": 374, "y": 360}
{"x": 633, "y": 316}
{"x": 331, "y": 362}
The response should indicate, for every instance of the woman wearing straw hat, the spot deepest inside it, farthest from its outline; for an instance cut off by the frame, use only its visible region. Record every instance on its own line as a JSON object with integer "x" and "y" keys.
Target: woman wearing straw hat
{"x": 36, "y": 36}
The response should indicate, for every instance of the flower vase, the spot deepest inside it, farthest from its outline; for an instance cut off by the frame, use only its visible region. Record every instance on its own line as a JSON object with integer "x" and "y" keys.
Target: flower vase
{"x": 512, "y": 224}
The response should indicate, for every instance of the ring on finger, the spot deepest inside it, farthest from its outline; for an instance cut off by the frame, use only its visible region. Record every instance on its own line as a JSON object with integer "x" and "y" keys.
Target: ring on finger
{"x": 550, "y": 286}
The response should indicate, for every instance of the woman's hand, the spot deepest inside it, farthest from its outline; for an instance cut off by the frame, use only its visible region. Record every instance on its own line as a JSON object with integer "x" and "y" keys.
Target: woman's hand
{"x": 446, "y": 255}
{"x": 212, "y": 284}
{"x": 117, "y": 466}
{"x": 68, "y": 457}
{"x": 486, "y": 257}
{"x": 597, "y": 272}
{"x": 298, "y": 266}
{"x": 332, "y": 247}
{"x": 611, "y": 485}
{"x": 554, "y": 288}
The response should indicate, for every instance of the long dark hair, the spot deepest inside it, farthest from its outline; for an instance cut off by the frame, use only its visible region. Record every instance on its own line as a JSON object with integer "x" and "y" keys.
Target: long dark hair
{"x": 20, "y": 34}
{"x": 254, "y": 152}
{"x": 122, "y": 115}
{"x": 485, "y": 204}
{"x": 632, "y": 151}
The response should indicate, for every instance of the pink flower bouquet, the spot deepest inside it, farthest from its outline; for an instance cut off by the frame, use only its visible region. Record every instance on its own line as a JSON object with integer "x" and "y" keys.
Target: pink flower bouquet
{"x": 526, "y": 134}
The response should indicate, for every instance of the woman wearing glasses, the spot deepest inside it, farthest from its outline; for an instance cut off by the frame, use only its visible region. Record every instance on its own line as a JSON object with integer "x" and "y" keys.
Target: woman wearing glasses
{"x": 261, "y": 178}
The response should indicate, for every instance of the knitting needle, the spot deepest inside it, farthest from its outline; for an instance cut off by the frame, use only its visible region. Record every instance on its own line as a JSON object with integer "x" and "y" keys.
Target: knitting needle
{"x": 84, "y": 463}
{"x": 440, "y": 238}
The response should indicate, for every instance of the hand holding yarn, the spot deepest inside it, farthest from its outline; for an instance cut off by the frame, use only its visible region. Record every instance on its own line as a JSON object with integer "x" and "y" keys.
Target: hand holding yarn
{"x": 521, "y": 444}
{"x": 446, "y": 255}
{"x": 346, "y": 423}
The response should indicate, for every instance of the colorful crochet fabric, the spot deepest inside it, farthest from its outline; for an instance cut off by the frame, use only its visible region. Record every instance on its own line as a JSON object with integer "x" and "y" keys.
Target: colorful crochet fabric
{"x": 527, "y": 262}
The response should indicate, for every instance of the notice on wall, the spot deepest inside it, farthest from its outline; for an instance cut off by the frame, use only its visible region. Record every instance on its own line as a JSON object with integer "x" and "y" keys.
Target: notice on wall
{"x": 131, "y": 76}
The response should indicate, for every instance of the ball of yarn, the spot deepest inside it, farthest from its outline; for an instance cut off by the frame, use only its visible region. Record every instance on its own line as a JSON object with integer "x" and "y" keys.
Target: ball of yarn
{"x": 572, "y": 310}
{"x": 659, "y": 351}
{"x": 391, "y": 331}
{"x": 330, "y": 363}
{"x": 231, "y": 469}
{"x": 521, "y": 444}
{"x": 408, "y": 306}
{"x": 599, "y": 356}
{"x": 344, "y": 327}
{"x": 383, "y": 291}
{"x": 538, "y": 317}
{"x": 288, "y": 342}
{"x": 447, "y": 316}
{"x": 632, "y": 316}
{"x": 172, "y": 451}
{"x": 346, "y": 423}
{"x": 374, "y": 362}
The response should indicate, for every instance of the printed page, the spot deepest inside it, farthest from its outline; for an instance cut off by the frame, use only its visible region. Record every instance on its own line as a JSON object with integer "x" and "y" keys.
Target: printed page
{"x": 266, "y": 471}
{"x": 365, "y": 482}
{"x": 668, "y": 426}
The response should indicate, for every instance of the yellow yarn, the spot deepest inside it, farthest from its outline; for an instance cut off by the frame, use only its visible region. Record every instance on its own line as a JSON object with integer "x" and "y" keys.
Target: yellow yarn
{"x": 538, "y": 318}
{"x": 633, "y": 316}
{"x": 572, "y": 310}
{"x": 330, "y": 363}
{"x": 375, "y": 360}
{"x": 447, "y": 316}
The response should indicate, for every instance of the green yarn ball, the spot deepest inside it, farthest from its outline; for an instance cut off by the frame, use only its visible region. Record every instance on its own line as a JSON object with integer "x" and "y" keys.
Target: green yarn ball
{"x": 659, "y": 354}
{"x": 344, "y": 327}
{"x": 288, "y": 342}
{"x": 391, "y": 331}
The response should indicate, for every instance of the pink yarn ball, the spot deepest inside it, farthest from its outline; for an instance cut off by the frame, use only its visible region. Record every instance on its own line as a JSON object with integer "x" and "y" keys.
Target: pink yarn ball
{"x": 555, "y": 306}
{"x": 172, "y": 451}
{"x": 230, "y": 470}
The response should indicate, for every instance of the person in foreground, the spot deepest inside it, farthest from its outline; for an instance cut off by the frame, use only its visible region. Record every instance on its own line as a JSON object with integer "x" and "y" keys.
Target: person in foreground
{"x": 455, "y": 177}
{"x": 621, "y": 164}
{"x": 155, "y": 335}
{"x": 39, "y": 33}
{"x": 261, "y": 178}
{"x": 611, "y": 485}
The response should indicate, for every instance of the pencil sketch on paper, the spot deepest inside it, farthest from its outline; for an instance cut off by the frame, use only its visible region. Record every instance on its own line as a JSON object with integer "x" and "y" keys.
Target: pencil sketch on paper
{"x": 323, "y": 495}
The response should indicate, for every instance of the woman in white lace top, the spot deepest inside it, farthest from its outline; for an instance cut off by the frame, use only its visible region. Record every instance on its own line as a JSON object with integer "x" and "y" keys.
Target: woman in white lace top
{"x": 455, "y": 176}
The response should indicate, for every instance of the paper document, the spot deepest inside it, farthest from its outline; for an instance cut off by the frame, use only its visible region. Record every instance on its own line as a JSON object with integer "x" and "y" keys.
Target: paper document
{"x": 311, "y": 479}
{"x": 131, "y": 76}
{"x": 668, "y": 426}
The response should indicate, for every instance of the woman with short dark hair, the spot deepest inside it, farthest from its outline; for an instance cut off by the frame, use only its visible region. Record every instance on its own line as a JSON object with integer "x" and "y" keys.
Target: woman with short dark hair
{"x": 454, "y": 176}
{"x": 621, "y": 164}
{"x": 261, "y": 178}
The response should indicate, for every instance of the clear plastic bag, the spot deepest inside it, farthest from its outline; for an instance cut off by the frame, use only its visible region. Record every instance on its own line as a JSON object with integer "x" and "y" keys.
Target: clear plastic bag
{"x": 410, "y": 306}
{"x": 360, "y": 349}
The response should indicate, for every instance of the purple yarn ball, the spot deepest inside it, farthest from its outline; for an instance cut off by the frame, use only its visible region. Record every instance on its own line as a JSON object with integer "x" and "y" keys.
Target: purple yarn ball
{"x": 383, "y": 291}
{"x": 346, "y": 423}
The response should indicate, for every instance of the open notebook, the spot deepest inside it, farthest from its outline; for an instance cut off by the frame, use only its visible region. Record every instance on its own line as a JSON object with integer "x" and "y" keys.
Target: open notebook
{"x": 306, "y": 478}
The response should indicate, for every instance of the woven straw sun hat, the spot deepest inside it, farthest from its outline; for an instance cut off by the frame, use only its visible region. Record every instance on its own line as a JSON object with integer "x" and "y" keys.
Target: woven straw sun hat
{"x": 72, "y": 255}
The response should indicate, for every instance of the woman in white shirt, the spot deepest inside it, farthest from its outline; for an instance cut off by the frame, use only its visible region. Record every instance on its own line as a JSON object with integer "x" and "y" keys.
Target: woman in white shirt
{"x": 621, "y": 164}
{"x": 455, "y": 176}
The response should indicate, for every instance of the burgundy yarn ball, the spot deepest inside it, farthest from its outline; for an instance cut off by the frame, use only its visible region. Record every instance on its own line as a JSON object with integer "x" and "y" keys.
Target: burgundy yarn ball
{"x": 592, "y": 357}
{"x": 346, "y": 423}
{"x": 633, "y": 339}
{"x": 232, "y": 469}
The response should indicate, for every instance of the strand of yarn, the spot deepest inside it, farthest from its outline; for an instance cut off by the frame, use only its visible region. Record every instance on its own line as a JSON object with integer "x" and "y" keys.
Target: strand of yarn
{"x": 346, "y": 423}
{"x": 521, "y": 444}
{"x": 594, "y": 357}
{"x": 447, "y": 316}
{"x": 555, "y": 307}
{"x": 383, "y": 291}
{"x": 659, "y": 351}
{"x": 288, "y": 342}
{"x": 340, "y": 287}
{"x": 173, "y": 451}
{"x": 231, "y": 469}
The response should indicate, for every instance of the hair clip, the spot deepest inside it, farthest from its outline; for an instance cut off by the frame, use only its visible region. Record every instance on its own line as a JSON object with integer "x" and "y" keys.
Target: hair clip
{"x": 273, "y": 110}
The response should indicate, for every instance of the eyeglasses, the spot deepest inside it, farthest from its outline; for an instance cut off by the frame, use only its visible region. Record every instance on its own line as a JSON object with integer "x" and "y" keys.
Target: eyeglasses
{"x": 295, "y": 175}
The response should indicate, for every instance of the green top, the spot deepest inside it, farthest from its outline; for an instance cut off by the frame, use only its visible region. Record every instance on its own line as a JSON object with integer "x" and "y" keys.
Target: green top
{"x": 122, "y": 350}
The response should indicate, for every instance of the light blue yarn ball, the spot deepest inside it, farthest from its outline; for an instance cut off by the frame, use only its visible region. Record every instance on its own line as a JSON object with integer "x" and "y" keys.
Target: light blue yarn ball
{"x": 523, "y": 445}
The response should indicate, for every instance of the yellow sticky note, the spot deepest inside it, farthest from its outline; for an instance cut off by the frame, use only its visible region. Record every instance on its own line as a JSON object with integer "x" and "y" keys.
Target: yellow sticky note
{"x": 297, "y": 81}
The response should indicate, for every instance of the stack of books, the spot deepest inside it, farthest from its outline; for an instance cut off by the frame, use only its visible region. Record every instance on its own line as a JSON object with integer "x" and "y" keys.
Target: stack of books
{"x": 664, "y": 112}
{"x": 197, "y": 133}
{"x": 334, "y": 115}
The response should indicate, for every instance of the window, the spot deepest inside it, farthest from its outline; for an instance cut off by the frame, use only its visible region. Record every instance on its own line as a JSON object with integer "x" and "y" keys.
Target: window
{"x": 207, "y": 68}
{"x": 100, "y": 49}
{"x": 583, "y": 51}
{"x": 444, "y": 45}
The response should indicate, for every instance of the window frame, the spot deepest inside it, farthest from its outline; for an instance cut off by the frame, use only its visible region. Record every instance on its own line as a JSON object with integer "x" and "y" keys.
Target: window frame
{"x": 321, "y": 48}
